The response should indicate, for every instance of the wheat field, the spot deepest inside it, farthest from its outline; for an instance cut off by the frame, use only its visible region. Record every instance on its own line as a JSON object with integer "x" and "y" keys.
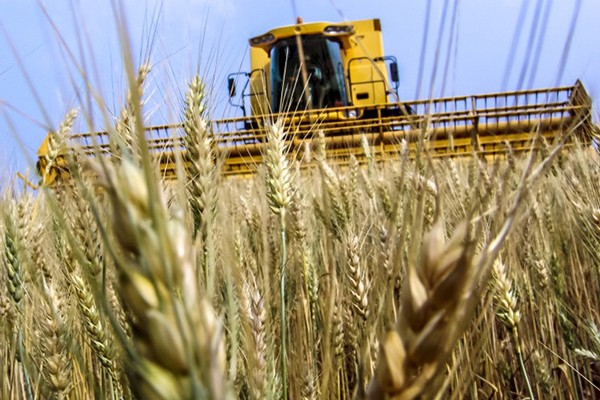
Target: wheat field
{"x": 398, "y": 279}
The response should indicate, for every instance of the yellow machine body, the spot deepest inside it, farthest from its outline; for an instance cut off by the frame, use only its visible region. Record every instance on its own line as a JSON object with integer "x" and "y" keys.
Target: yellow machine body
{"x": 335, "y": 78}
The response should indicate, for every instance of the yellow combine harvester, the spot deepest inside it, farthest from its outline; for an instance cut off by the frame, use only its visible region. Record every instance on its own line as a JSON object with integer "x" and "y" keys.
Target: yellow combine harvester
{"x": 334, "y": 78}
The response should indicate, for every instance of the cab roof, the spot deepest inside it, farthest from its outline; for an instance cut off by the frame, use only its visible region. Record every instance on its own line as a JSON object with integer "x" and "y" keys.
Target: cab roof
{"x": 331, "y": 29}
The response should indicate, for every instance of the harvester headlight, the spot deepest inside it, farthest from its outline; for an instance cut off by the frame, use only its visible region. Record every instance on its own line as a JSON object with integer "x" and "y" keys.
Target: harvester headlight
{"x": 264, "y": 39}
{"x": 338, "y": 29}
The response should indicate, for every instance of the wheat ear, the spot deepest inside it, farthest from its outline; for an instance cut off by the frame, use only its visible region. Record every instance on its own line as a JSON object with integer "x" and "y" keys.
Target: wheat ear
{"x": 57, "y": 366}
{"x": 279, "y": 196}
{"x": 257, "y": 322}
{"x": 14, "y": 268}
{"x": 202, "y": 174}
{"x": 505, "y": 297}
{"x": 57, "y": 143}
{"x": 13, "y": 254}
{"x": 201, "y": 167}
{"x": 435, "y": 300}
{"x": 126, "y": 124}
{"x": 179, "y": 350}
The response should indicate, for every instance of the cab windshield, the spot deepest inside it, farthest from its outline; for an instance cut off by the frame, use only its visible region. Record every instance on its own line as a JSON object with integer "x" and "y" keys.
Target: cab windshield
{"x": 325, "y": 84}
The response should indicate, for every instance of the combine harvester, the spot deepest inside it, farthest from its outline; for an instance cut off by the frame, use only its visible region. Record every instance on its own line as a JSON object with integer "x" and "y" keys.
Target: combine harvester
{"x": 334, "y": 78}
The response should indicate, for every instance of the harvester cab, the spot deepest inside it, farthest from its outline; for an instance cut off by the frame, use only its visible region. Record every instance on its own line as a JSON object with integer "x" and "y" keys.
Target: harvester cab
{"x": 316, "y": 66}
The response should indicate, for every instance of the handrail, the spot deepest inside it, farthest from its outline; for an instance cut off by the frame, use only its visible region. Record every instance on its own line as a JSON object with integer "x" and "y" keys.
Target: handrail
{"x": 392, "y": 123}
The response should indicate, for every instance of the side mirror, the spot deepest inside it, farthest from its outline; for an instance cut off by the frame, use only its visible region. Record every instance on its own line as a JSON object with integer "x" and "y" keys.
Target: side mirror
{"x": 231, "y": 87}
{"x": 394, "y": 72}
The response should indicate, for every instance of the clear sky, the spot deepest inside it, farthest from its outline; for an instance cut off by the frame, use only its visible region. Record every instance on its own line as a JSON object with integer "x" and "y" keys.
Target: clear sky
{"x": 469, "y": 49}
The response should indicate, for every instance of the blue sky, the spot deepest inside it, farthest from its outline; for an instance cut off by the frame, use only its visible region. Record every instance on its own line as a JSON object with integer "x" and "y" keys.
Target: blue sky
{"x": 43, "y": 43}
